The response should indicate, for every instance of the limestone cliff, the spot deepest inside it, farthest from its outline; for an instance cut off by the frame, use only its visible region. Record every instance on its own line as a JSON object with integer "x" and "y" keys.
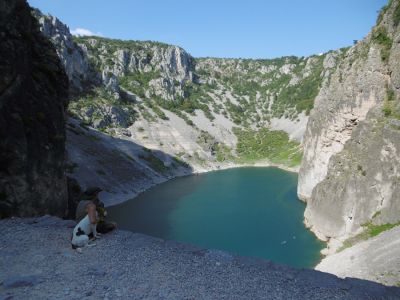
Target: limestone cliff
{"x": 210, "y": 113}
{"x": 33, "y": 99}
{"x": 350, "y": 169}
{"x": 72, "y": 57}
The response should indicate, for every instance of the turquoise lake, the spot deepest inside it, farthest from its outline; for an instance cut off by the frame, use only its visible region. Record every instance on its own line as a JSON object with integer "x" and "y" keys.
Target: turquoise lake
{"x": 247, "y": 211}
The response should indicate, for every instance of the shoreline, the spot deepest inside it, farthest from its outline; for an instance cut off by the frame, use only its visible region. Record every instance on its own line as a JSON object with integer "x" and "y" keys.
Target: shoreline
{"x": 116, "y": 199}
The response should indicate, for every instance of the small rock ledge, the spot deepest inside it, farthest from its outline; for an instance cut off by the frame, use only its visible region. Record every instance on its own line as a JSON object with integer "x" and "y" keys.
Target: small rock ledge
{"x": 37, "y": 262}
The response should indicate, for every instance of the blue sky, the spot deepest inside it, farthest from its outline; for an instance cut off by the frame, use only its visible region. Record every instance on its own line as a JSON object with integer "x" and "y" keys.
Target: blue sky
{"x": 225, "y": 28}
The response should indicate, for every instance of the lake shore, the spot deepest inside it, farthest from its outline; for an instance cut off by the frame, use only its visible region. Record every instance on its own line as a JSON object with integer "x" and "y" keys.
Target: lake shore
{"x": 118, "y": 198}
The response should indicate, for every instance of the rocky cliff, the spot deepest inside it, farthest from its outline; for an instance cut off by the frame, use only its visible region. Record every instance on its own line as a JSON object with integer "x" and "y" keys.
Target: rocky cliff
{"x": 349, "y": 175}
{"x": 33, "y": 100}
{"x": 74, "y": 61}
{"x": 210, "y": 113}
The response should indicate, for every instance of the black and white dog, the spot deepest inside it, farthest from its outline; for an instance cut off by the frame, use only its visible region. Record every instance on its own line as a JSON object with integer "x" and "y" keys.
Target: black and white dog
{"x": 82, "y": 230}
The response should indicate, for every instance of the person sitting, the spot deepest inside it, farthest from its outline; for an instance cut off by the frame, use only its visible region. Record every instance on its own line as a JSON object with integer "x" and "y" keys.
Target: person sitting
{"x": 92, "y": 206}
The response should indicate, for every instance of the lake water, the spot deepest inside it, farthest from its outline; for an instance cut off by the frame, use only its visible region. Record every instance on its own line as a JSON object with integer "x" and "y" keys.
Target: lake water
{"x": 248, "y": 211}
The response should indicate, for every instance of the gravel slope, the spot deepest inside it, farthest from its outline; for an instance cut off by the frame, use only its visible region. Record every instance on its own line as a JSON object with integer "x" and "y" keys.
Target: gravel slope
{"x": 37, "y": 262}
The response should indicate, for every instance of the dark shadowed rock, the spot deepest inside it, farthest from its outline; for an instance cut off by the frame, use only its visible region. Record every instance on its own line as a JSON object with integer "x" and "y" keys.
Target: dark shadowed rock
{"x": 33, "y": 98}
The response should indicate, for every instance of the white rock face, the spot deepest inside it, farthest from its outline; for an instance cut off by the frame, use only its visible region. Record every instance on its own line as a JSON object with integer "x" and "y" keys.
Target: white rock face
{"x": 72, "y": 57}
{"x": 350, "y": 169}
{"x": 375, "y": 259}
{"x": 294, "y": 128}
{"x": 343, "y": 102}
{"x": 220, "y": 128}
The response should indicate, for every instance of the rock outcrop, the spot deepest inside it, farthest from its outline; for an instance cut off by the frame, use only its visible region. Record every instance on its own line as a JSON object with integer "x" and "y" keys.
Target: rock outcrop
{"x": 33, "y": 100}
{"x": 375, "y": 259}
{"x": 350, "y": 169}
{"x": 72, "y": 57}
{"x": 167, "y": 68}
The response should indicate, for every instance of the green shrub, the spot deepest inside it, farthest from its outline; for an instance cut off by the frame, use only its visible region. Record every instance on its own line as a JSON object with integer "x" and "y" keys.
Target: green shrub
{"x": 387, "y": 108}
{"x": 380, "y": 37}
{"x": 390, "y": 95}
{"x": 374, "y": 230}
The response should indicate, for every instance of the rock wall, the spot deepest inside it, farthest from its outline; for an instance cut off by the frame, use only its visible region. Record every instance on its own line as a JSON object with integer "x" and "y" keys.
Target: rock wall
{"x": 33, "y": 99}
{"x": 357, "y": 85}
{"x": 115, "y": 59}
{"x": 349, "y": 173}
{"x": 72, "y": 57}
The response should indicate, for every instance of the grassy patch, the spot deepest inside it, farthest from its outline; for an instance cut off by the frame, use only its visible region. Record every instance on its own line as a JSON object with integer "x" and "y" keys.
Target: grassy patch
{"x": 370, "y": 230}
{"x": 223, "y": 153}
{"x": 390, "y": 108}
{"x": 374, "y": 230}
{"x": 266, "y": 144}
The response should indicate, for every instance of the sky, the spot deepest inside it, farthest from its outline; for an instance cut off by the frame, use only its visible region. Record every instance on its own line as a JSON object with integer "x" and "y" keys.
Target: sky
{"x": 224, "y": 28}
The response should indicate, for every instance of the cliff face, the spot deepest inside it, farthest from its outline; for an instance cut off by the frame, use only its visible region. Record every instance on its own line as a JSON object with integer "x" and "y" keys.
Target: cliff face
{"x": 350, "y": 169}
{"x": 33, "y": 99}
{"x": 167, "y": 68}
{"x": 72, "y": 57}
{"x": 205, "y": 112}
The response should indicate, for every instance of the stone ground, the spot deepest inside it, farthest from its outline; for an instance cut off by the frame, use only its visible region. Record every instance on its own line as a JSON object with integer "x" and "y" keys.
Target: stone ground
{"x": 37, "y": 262}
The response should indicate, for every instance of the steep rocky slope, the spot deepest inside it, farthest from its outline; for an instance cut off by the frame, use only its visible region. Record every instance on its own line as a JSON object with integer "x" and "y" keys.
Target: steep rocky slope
{"x": 211, "y": 113}
{"x": 350, "y": 170}
{"x": 122, "y": 168}
{"x": 33, "y": 99}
